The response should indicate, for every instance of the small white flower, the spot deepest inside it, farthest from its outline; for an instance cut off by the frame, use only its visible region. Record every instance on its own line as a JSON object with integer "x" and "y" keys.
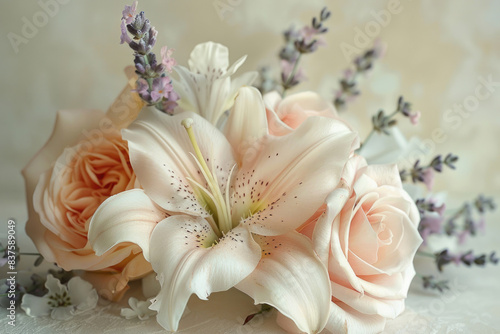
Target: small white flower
{"x": 61, "y": 302}
{"x": 139, "y": 309}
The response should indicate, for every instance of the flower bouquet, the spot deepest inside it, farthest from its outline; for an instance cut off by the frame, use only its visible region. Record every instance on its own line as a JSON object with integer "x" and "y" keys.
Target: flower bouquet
{"x": 195, "y": 182}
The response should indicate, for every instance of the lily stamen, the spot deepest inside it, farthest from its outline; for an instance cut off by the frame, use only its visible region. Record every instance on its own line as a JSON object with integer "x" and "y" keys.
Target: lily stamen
{"x": 220, "y": 212}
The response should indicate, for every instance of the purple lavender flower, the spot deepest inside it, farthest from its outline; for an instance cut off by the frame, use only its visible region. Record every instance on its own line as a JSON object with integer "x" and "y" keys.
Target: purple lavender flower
{"x": 124, "y": 38}
{"x": 348, "y": 83}
{"x": 161, "y": 88}
{"x": 143, "y": 89}
{"x": 430, "y": 224}
{"x": 428, "y": 178}
{"x": 128, "y": 14}
{"x": 153, "y": 86}
{"x": 303, "y": 41}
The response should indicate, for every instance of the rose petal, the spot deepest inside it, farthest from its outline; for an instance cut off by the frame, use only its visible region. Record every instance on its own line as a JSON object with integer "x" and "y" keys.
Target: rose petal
{"x": 67, "y": 131}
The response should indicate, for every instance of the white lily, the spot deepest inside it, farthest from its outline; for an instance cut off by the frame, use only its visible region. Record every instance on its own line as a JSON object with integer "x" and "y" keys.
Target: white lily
{"x": 229, "y": 223}
{"x": 61, "y": 302}
{"x": 207, "y": 87}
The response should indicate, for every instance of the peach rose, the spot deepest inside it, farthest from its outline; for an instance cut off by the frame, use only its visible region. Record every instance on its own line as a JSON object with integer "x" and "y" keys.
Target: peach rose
{"x": 285, "y": 115}
{"x": 367, "y": 237}
{"x": 84, "y": 162}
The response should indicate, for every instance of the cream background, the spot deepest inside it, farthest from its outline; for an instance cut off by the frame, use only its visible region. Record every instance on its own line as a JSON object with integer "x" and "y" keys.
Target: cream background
{"x": 436, "y": 52}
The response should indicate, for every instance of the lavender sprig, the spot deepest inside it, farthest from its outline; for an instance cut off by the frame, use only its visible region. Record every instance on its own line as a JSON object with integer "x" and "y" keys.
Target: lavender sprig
{"x": 444, "y": 258}
{"x": 382, "y": 122}
{"x": 465, "y": 222}
{"x": 153, "y": 85}
{"x": 484, "y": 204}
{"x": 304, "y": 41}
{"x": 429, "y": 205}
{"x": 471, "y": 222}
{"x": 266, "y": 82}
{"x": 425, "y": 173}
{"x": 429, "y": 282}
{"x": 348, "y": 83}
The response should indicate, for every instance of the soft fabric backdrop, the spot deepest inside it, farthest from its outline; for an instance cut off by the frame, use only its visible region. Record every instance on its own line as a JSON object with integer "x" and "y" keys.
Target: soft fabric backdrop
{"x": 436, "y": 52}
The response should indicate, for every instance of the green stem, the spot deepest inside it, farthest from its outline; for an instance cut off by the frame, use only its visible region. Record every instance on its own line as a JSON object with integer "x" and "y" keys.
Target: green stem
{"x": 366, "y": 140}
{"x": 149, "y": 80}
{"x": 393, "y": 114}
{"x": 426, "y": 254}
{"x": 292, "y": 75}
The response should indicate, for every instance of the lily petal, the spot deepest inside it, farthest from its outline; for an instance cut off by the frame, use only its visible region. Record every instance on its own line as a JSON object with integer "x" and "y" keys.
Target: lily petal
{"x": 247, "y": 121}
{"x": 208, "y": 56}
{"x": 291, "y": 278}
{"x": 187, "y": 260}
{"x": 300, "y": 168}
{"x": 160, "y": 155}
{"x": 343, "y": 320}
{"x": 129, "y": 216}
{"x": 206, "y": 86}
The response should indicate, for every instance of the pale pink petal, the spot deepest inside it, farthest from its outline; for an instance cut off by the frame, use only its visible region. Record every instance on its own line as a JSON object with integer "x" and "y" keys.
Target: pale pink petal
{"x": 386, "y": 175}
{"x": 368, "y": 304}
{"x": 292, "y": 175}
{"x": 160, "y": 153}
{"x": 351, "y": 170}
{"x": 188, "y": 261}
{"x": 296, "y": 108}
{"x": 291, "y": 278}
{"x": 247, "y": 121}
{"x": 394, "y": 286}
{"x": 344, "y": 319}
{"x": 129, "y": 216}
{"x": 322, "y": 233}
{"x": 338, "y": 265}
{"x": 276, "y": 126}
{"x": 272, "y": 100}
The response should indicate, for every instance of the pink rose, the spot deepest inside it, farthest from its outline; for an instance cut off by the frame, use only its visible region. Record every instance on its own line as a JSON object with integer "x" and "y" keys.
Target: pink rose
{"x": 83, "y": 163}
{"x": 367, "y": 237}
{"x": 285, "y": 115}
